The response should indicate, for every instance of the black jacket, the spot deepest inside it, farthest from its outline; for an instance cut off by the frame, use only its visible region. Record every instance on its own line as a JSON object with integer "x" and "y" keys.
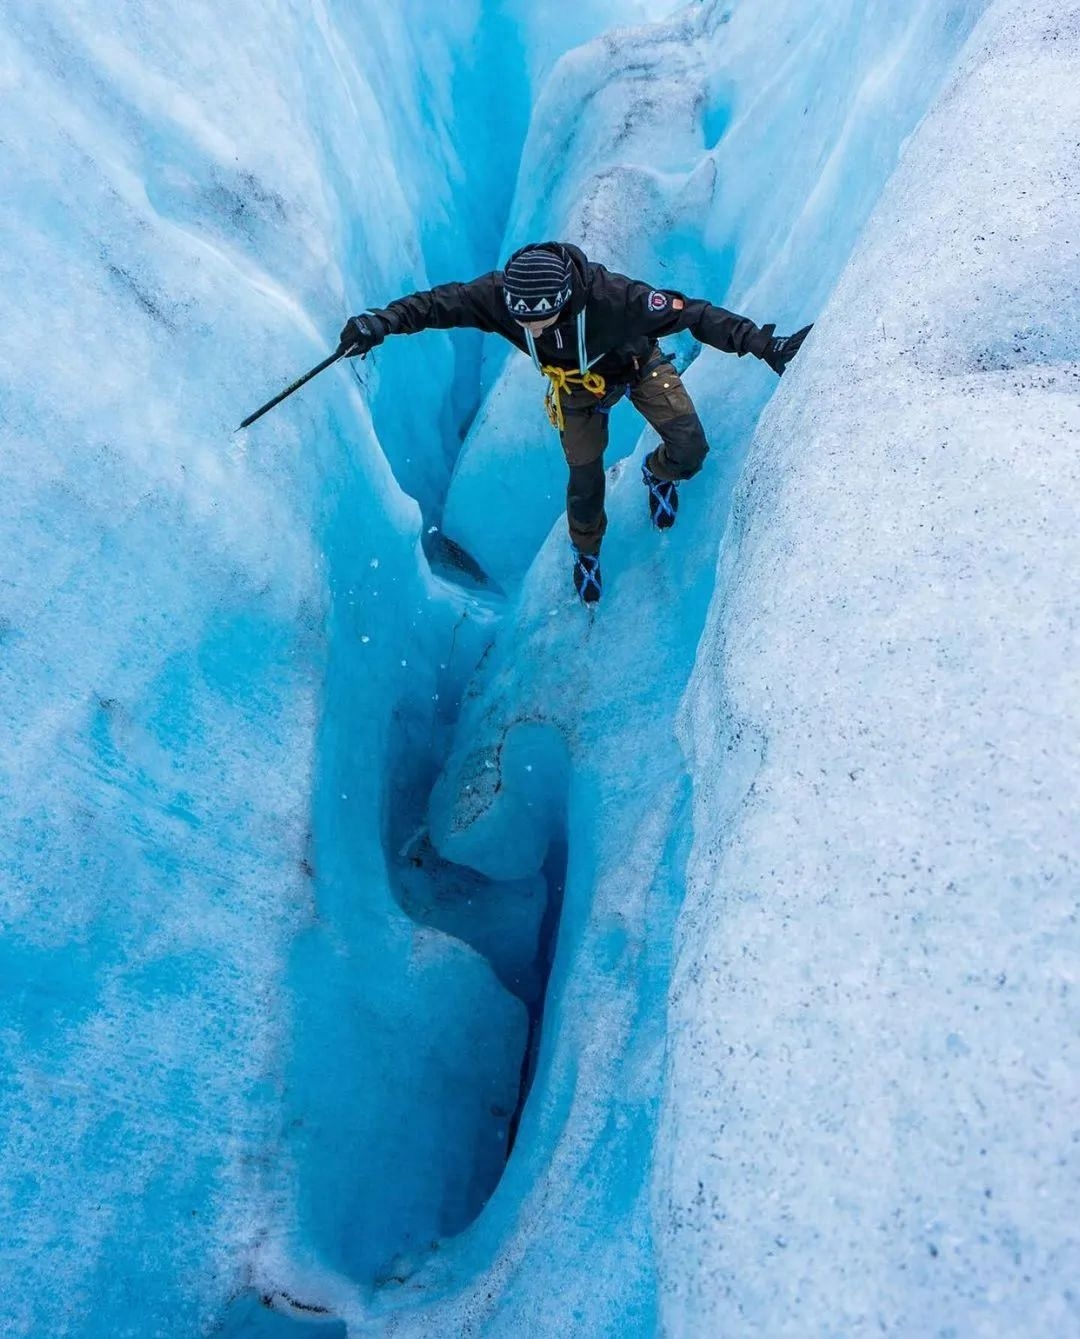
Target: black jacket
{"x": 623, "y": 318}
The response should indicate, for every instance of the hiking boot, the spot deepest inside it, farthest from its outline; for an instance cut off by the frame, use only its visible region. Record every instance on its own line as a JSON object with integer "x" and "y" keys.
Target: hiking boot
{"x": 663, "y": 499}
{"x": 587, "y": 576}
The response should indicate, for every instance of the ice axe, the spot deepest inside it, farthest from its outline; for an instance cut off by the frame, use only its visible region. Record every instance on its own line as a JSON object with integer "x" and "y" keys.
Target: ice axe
{"x": 342, "y": 352}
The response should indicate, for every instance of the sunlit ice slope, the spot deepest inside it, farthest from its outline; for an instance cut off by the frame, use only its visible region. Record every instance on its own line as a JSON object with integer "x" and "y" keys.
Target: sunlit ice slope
{"x": 872, "y": 1099}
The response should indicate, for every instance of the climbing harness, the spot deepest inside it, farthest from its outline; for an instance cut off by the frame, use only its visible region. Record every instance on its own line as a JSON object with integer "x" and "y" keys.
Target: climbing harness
{"x": 561, "y": 381}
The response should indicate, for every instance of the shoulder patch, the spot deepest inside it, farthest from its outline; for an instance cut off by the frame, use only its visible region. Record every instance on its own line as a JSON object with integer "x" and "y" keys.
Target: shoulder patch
{"x": 657, "y": 301}
{"x": 678, "y": 304}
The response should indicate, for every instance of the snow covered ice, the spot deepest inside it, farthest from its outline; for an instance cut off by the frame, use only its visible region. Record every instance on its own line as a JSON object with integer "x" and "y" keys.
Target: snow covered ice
{"x": 318, "y": 851}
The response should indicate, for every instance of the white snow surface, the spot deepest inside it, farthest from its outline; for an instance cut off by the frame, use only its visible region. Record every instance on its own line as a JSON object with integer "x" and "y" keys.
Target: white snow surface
{"x": 872, "y": 1104}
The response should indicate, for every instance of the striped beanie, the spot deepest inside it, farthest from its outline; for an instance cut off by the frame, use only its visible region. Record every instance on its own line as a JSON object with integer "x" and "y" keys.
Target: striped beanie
{"x": 537, "y": 282}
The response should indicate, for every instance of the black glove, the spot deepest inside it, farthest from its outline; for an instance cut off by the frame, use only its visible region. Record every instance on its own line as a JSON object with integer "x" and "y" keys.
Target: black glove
{"x": 782, "y": 348}
{"x": 360, "y": 335}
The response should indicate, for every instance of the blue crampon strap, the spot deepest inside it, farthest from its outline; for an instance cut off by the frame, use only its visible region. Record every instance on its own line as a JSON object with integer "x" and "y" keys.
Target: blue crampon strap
{"x": 660, "y": 497}
{"x": 586, "y": 565}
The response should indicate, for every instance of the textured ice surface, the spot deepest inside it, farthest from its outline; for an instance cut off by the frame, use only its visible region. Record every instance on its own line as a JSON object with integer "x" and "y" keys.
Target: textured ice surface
{"x": 872, "y": 1109}
{"x": 257, "y": 1036}
{"x": 224, "y": 659}
{"x": 210, "y": 648}
{"x": 582, "y": 1184}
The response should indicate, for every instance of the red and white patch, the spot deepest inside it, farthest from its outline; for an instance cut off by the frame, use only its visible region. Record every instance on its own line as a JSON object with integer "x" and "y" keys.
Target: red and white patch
{"x": 657, "y": 301}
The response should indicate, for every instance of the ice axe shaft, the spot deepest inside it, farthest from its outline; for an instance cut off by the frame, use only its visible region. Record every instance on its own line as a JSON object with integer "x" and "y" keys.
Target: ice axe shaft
{"x": 300, "y": 381}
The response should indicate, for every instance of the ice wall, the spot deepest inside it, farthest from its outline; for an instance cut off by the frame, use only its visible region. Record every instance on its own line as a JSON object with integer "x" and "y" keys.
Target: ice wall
{"x": 208, "y": 641}
{"x": 259, "y": 1039}
{"x": 580, "y": 1186}
{"x": 871, "y": 1109}
{"x": 221, "y": 656}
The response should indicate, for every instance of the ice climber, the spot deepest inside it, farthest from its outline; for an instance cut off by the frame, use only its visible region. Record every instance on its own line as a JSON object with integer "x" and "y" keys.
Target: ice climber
{"x": 593, "y": 334}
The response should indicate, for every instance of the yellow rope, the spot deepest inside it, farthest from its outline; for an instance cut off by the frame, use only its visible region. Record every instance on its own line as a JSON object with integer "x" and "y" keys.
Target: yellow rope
{"x": 562, "y": 382}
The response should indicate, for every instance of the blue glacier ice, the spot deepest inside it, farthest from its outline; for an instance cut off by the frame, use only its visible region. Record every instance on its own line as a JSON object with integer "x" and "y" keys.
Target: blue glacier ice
{"x": 391, "y": 947}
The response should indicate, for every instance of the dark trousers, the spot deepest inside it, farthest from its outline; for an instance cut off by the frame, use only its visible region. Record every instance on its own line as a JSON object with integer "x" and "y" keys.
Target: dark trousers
{"x": 661, "y": 398}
